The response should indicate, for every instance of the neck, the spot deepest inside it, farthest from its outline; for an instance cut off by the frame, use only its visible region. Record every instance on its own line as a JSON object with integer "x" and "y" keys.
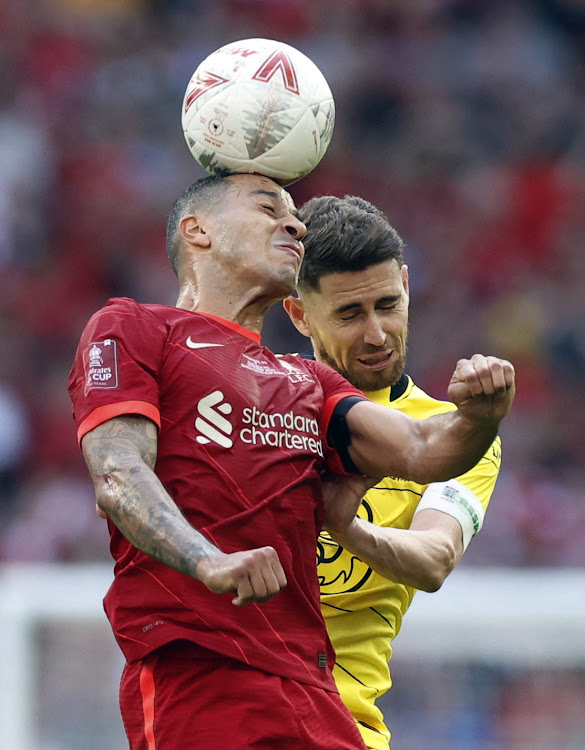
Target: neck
{"x": 248, "y": 309}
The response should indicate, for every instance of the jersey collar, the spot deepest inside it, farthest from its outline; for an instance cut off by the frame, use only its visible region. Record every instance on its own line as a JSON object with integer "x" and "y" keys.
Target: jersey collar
{"x": 256, "y": 337}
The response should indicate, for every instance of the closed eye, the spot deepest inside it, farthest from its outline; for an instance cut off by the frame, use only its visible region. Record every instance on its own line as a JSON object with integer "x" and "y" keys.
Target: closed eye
{"x": 350, "y": 315}
{"x": 269, "y": 208}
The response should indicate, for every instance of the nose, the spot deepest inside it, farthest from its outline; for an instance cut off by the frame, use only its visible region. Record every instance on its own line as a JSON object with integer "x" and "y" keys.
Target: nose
{"x": 374, "y": 334}
{"x": 295, "y": 227}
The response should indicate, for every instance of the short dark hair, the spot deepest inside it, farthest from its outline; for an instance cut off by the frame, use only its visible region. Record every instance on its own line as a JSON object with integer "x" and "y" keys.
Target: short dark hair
{"x": 345, "y": 234}
{"x": 201, "y": 194}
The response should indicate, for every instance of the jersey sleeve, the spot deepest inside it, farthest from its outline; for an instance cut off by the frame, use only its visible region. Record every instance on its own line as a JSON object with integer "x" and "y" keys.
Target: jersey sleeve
{"x": 339, "y": 396}
{"x": 116, "y": 366}
{"x": 481, "y": 479}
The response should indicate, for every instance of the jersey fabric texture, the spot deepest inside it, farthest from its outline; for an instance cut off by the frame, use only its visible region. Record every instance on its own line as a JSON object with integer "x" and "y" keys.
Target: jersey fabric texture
{"x": 241, "y": 446}
{"x": 362, "y": 609}
{"x": 172, "y": 699}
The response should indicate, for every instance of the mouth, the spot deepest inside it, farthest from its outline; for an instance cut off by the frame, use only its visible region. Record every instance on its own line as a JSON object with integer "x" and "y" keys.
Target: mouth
{"x": 292, "y": 249}
{"x": 375, "y": 362}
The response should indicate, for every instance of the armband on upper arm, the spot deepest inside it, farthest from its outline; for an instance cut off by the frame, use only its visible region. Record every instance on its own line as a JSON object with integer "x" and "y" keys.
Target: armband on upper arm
{"x": 338, "y": 434}
{"x": 457, "y": 501}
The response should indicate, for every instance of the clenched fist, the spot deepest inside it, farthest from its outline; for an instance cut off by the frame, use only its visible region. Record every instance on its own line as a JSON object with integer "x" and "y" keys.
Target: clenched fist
{"x": 483, "y": 388}
{"x": 254, "y": 575}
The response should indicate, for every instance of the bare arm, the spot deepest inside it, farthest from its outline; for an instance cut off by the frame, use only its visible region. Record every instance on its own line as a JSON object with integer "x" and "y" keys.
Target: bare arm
{"x": 385, "y": 442}
{"x": 121, "y": 455}
{"x": 421, "y": 556}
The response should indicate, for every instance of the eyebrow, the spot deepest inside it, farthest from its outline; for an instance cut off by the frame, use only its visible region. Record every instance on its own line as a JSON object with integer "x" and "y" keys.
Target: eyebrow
{"x": 382, "y": 301}
{"x": 274, "y": 196}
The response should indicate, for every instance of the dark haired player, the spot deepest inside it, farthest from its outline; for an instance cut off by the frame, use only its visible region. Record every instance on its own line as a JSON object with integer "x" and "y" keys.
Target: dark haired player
{"x": 207, "y": 453}
{"x": 353, "y": 304}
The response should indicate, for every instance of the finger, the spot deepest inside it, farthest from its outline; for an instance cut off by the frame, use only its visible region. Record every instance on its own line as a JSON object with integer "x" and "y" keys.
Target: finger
{"x": 494, "y": 380}
{"x": 268, "y": 580}
{"x": 509, "y": 373}
{"x": 276, "y": 576}
{"x": 279, "y": 575}
{"x": 496, "y": 368}
{"x": 466, "y": 374}
{"x": 245, "y": 593}
{"x": 263, "y": 583}
{"x": 503, "y": 375}
{"x": 488, "y": 373}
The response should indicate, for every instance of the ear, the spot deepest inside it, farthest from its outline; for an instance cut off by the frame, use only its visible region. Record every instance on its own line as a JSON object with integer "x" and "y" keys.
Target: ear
{"x": 296, "y": 312}
{"x": 193, "y": 232}
{"x": 404, "y": 272}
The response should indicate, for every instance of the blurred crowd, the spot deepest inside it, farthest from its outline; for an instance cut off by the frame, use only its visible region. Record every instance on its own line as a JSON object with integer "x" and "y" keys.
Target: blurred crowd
{"x": 464, "y": 120}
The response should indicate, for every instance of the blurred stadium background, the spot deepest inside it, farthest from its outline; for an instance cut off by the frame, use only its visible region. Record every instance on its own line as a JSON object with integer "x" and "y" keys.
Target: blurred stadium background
{"x": 464, "y": 120}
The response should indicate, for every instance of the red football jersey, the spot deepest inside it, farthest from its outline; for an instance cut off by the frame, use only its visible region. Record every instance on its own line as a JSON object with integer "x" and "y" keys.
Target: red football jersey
{"x": 241, "y": 445}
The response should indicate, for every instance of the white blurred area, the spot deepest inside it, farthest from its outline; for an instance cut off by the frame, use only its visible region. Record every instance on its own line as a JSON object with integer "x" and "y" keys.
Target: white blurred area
{"x": 495, "y": 662}
{"x": 464, "y": 121}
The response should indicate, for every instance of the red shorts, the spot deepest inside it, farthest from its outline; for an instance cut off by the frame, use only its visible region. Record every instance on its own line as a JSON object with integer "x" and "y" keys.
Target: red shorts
{"x": 175, "y": 700}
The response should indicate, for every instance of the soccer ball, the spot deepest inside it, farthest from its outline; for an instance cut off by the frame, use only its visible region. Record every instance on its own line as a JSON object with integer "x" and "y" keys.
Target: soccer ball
{"x": 258, "y": 106}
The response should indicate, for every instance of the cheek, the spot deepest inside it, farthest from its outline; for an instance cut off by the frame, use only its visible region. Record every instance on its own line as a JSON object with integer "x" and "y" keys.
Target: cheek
{"x": 328, "y": 343}
{"x": 398, "y": 327}
{"x": 340, "y": 349}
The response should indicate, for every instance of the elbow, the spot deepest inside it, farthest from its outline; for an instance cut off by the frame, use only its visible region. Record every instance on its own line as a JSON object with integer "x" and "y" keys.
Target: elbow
{"x": 103, "y": 499}
{"x": 431, "y": 582}
{"x": 434, "y": 575}
{"x": 107, "y": 488}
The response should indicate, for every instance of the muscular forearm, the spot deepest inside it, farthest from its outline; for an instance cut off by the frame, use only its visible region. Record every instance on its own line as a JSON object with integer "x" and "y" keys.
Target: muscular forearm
{"x": 421, "y": 559}
{"x": 121, "y": 456}
{"x": 386, "y": 443}
{"x": 448, "y": 445}
{"x": 136, "y": 501}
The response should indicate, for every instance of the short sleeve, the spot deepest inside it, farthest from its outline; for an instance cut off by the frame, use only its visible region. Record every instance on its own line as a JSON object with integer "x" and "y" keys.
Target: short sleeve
{"x": 116, "y": 365}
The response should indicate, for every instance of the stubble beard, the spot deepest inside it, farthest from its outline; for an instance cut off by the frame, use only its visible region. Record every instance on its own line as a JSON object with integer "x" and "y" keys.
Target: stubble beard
{"x": 371, "y": 381}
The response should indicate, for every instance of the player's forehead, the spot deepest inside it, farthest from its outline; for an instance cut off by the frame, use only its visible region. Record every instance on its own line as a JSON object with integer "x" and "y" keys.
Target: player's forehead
{"x": 374, "y": 285}
{"x": 254, "y": 186}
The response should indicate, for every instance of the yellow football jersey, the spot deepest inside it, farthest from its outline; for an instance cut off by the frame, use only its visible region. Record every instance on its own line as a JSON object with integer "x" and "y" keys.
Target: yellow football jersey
{"x": 362, "y": 609}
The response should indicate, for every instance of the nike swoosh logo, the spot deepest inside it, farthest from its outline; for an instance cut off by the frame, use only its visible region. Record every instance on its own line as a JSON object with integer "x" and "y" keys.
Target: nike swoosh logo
{"x": 199, "y": 344}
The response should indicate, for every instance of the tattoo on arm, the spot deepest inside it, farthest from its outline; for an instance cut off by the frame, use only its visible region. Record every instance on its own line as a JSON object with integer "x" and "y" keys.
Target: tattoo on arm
{"x": 121, "y": 456}
{"x": 107, "y": 442}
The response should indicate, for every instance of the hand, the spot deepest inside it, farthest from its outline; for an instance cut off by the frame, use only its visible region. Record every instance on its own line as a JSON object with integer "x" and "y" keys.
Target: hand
{"x": 255, "y": 575}
{"x": 342, "y": 496}
{"x": 483, "y": 388}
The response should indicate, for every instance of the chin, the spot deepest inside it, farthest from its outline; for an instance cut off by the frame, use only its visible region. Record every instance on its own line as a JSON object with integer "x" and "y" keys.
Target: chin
{"x": 374, "y": 381}
{"x": 282, "y": 286}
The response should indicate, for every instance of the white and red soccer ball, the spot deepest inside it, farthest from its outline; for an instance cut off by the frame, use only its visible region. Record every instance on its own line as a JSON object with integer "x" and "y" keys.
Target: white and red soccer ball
{"x": 259, "y": 106}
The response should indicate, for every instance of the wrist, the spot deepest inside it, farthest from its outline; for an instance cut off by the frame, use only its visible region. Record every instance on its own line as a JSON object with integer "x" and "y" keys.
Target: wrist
{"x": 480, "y": 420}
{"x": 205, "y": 566}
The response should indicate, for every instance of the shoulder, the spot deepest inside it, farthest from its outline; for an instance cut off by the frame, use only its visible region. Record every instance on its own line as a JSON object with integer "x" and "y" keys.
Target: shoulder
{"x": 126, "y": 315}
{"x": 122, "y": 309}
{"x": 125, "y": 306}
